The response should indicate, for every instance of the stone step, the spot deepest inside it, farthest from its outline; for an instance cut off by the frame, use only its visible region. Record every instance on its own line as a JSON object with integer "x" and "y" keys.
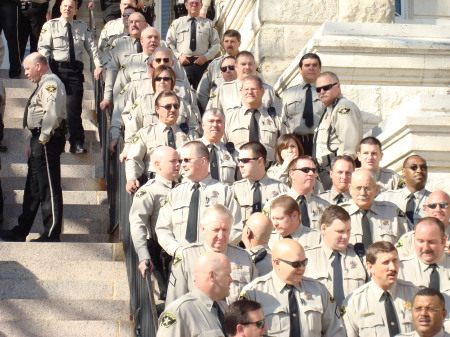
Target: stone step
{"x": 64, "y": 289}
{"x": 74, "y": 229}
{"x": 93, "y": 238}
{"x": 59, "y": 252}
{"x": 69, "y": 270}
{"x": 69, "y": 166}
{"x": 26, "y": 91}
{"x": 94, "y": 212}
{"x": 68, "y": 184}
{"x": 69, "y": 197}
{"x": 63, "y": 309}
{"x": 17, "y": 123}
{"x": 75, "y": 328}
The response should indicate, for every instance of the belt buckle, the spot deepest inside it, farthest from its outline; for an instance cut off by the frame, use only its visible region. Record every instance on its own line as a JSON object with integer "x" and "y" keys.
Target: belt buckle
{"x": 24, "y": 5}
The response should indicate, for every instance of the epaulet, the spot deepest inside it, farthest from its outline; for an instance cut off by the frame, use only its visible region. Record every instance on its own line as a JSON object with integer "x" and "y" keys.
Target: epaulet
{"x": 236, "y": 248}
{"x": 408, "y": 258}
{"x": 242, "y": 181}
{"x": 313, "y": 248}
{"x": 361, "y": 289}
{"x": 406, "y": 283}
{"x": 149, "y": 182}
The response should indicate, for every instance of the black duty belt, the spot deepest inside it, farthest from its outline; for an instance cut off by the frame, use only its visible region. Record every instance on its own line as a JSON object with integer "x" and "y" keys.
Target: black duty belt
{"x": 24, "y": 5}
{"x": 308, "y": 137}
{"x": 60, "y": 131}
{"x": 78, "y": 66}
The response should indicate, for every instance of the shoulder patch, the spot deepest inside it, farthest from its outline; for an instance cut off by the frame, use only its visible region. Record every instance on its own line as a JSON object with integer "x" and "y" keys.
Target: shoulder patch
{"x": 112, "y": 46}
{"x": 168, "y": 320}
{"x": 123, "y": 91}
{"x": 212, "y": 96}
{"x": 401, "y": 183}
{"x": 51, "y": 88}
{"x": 135, "y": 105}
{"x": 43, "y": 31}
{"x": 135, "y": 139}
{"x": 243, "y": 296}
{"x": 176, "y": 261}
{"x": 164, "y": 202}
{"x": 344, "y": 110}
{"x": 140, "y": 193}
{"x": 122, "y": 67}
{"x": 401, "y": 214}
{"x": 343, "y": 311}
{"x": 399, "y": 243}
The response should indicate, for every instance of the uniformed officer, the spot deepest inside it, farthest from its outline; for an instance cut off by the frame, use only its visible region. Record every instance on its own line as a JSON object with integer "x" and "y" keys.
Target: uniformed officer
{"x": 437, "y": 207}
{"x": 342, "y": 168}
{"x": 9, "y": 17}
{"x": 31, "y": 19}
{"x": 194, "y": 41}
{"x": 340, "y": 128}
{"x": 337, "y": 264}
{"x": 223, "y": 167}
{"x": 255, "y": 236}
{"x": 244, "y": 319}
{"x": 177, "y": 223}
{"x": 373, "y": 220}
{"x": 302, "y": 108}
{"x": 147, "y": 203}
{"x": 411, "y": 198}
{"x": 227, "y": 69}
{"x": 62, "y": 41}
{"x": 428, "y": 314}
{"x": 200, "y": 312}
{"x": 53, "y": 7}
{"x": 383, "y": 306}
{"x": 215, "y": 226}
{"x": 294, "y": 305}
{"x": 256, "y": 188}
{"x": 285, "y": 215}
{"x": 44, "y": 117}
{"x": 165, "y": 132}
{"x": 252, "y": 121}
{"x": 212, "y": 77}
{"x": 228, "y": 94}
{"x": 370, "y": 155}
{"x": 302, "y": 172}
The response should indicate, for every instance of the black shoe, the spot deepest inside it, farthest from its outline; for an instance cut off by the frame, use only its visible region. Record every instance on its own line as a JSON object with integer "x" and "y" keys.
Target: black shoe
{"x": 45, "y": 238}
{"x": 9, "y": 236}
{"x": 3, "y": 148}
{"x": 77, "y": 149}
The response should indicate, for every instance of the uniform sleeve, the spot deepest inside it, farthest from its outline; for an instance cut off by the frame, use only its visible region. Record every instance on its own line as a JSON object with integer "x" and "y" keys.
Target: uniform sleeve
{"x": 111, "y": 73}
{"x": 121, "y": 80}
{"x": 116, "y": 118}
{"x": 214, "y": 44}
{"x": 132, "y": 117}
{"x": 171, "y": 40}
{"x": 45, "y": 41}
{"x": 232, "y": 205}
{"x": 178, "y": 283}
{"x": 332, "y": 325}
{"x": 191, "y": 119}
{"x": 171, "y": 325}
{"x": 214, "y": 100}
{"x": 140, "y": 212}
{"x": 164, "y": 227}
{"x": 349, "y": 129}
{"x": 91, "y": 48}
{"x": 204, "y": 87}
{"x": 53, "y": 104}
{"x": 350, "y": 319}
{"x": 134, "y": 165}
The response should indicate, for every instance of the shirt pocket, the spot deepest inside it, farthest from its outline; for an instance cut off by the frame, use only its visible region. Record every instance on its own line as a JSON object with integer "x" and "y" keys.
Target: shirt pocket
{"x": 60, "y": 40}
{"x": 313, "y": 312}
{"x": 241, "y": 277}
{"x": 182, "y": 35}
{"x": 179, "y": 214}
{"x": 78, "y": 40}
{"x": 370, "y": 325}
{"x": 294, "y": 113}
{"x": 277, "y": 319}
{"x": 211, "y": 333}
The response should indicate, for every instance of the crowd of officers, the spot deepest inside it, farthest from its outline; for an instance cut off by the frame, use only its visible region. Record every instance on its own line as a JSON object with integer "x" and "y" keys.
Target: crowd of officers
{"x": 257, "y": 214}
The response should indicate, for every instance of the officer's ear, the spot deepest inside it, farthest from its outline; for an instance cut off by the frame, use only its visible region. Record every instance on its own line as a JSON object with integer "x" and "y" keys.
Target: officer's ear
{"x": 239, "y": 329}
{"x": 323, "y": 227}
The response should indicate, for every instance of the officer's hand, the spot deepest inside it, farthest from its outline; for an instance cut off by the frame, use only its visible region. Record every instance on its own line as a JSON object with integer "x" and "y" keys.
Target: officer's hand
{"x": 98, "y": 72}
{"x": 90, "y": 5}
{"x": 183, "y": 60}
{"x": 290, "y": 157}
{"x": 203, "y": 15}
{"x": 200, "y": 60}
{"x": 132, "y": 186}
{"x": 123, "y": 156}
{"x": 112, "y": 144}
{"x": 48, "y": 15}
{"x": 105, "y": 104}
{"x": 142, "y": 267}
{"x": 140, "y": 4}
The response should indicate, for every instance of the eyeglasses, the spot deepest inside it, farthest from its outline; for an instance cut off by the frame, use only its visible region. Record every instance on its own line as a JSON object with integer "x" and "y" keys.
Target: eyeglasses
{"x": 169, "y": 106}
{"x": 246, "y": 160}
{"x": 442, "y": 205}
{"x": 259, "y": 324}
{"x": 296, "y": 264}
{"x": 193, "y": 3}
{"x": 427, "y": 309}
{"x": 187, "y": 160}
{"x": 125, "y": 15}
{"x": 325, "y": 87}
{"x": 415, "y": 167}
{"x": 224, "y": 68}
{"x": 165, "y": 60}
{"x": 165, "y": 78}
{"x": 305, "y": 170}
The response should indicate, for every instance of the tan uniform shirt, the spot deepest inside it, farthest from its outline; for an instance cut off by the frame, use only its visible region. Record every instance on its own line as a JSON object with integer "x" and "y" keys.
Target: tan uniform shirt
{"x": 387, "y": 222}
{"x": 279, "y": 172}
{"x": 346, "y": 125}
{"x": 441, "y": 333}
{"x": 144, "y": 213}
{"x": 365, "y": 313}
{"x": 400, "y": 198}
{"x": 172, "y": 221}
{"x": 48, "y": 106}
{"x": 316, "y": 206}
{"x": 227, "y": 162}
{"x": 54, "y": 41}
{"x": 317, "y": 313}
{"x": 405, "y": 245}
{"x": 113, "y": 29}
{"x": 191, "y": 315}
{"x": 388, "y": 179}
{"x": 179, "y": 37}
{"x": 211, "y": 79}
{"x": 181, "y": 280}
{"x": 305, "y": 236}
{"x": 143, "y": 144}
{"x": 264, "y": 266}
{"x": 243, "y": 193}
{"x": 294, "y": 105}
{"x": 237, "y": 128}
{"x": 332, "y": 196}
{"x": 319, "y": 267}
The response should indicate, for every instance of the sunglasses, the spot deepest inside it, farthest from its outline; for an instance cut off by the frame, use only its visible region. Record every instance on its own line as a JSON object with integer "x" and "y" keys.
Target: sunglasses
{"x": 325, "y": 87}
{"x": 259, "y": 324}
{"x": 187, "y": 160}
{"x": 305, "y": 169}
{"x": 442, "y": 205}
{"x": 415, "y": 167}
{"x": 296, "y": 264}
{"x": 126, "y": 15}
{"x": 169, "y": 106}
{"x": 224, "y": 69}
{"x": 165, "y": 60}
{"x": 246, "y": 160}
{"x": 165, "y": 79}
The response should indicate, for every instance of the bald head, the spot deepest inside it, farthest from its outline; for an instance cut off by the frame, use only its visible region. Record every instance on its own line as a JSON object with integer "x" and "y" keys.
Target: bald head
{"x": 165, "y": 160}
{"x": 437, "y": 206}
{"x": 258, "y": 230}
{"x": 35, "y": 65}
{"x": 286, "y": 247}
{"x": 212, "y": 275}
{"x": 285, "y": 253}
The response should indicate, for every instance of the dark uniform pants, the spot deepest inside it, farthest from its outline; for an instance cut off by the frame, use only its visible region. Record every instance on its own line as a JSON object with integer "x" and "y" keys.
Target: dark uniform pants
{"x": 194, "y": 72}
{"x": 31, "y": 21}
{"x": 9, "y": 12}
{"x": 43, "y": 188}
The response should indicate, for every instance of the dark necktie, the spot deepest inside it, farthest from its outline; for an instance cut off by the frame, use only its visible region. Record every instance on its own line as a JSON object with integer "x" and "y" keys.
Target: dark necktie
{"x": 138, "y": 46}
{"x": 257, "y": 197}
{"x": 367, "y": 232}
{"x": 213, "y": 163}
{"x": 254, "y": 128}
{"x": 308, "y": 111}
{"x": 171, "y": 138}
{"x": 304, "y": 211}
{"x": 434, "y": 278}
{"x": 410, "y": 207}
{"x": 287, "y": 237}
{"x": 338, "y": 288}
{"x": 294, "y": 314}
{"x": 220, "y": 316}
{"x": 339, "y": 198}
{"x": 390, "y": 315}
{"x": 25, "y": 113}
{"x": 71, "y": 45}
{"x": 191, "y": 228}
{"x": 193, "y": 43}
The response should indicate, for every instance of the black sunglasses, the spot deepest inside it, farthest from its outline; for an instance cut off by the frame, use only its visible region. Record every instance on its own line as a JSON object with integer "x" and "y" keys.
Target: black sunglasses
{"x": 125, "y": 15}
{"x": 246, "y": 160}
{"x": 296, "y": 264}
{"x": 224, "y": 69}
{"x": 169, "y": 106}
{"x": 259, "y": 324}
{"x": 415, "y": 167}
{"x": 442, "y": 205}
{"x": 305, "y": 169}
{"x": 325, "y": 87}
{"x": 165, "y": 78}
{"x": 165, "y": 60}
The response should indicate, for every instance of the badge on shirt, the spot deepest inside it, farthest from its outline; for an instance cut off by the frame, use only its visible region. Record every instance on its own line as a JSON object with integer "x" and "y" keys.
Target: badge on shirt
{"x": 344, "y": 110}
{"x": 226, "y": 157}
{"x": 408, "y": 305}
{"x": 385, "y": 222}
{"x": 238, "y": 266}
{"x": 168, "y": 320}
{"x": 243, "y": 296}
{"x": 353, "y": 264}
{"x": 309, "y": 296}
{"x": 140, "y": 193}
